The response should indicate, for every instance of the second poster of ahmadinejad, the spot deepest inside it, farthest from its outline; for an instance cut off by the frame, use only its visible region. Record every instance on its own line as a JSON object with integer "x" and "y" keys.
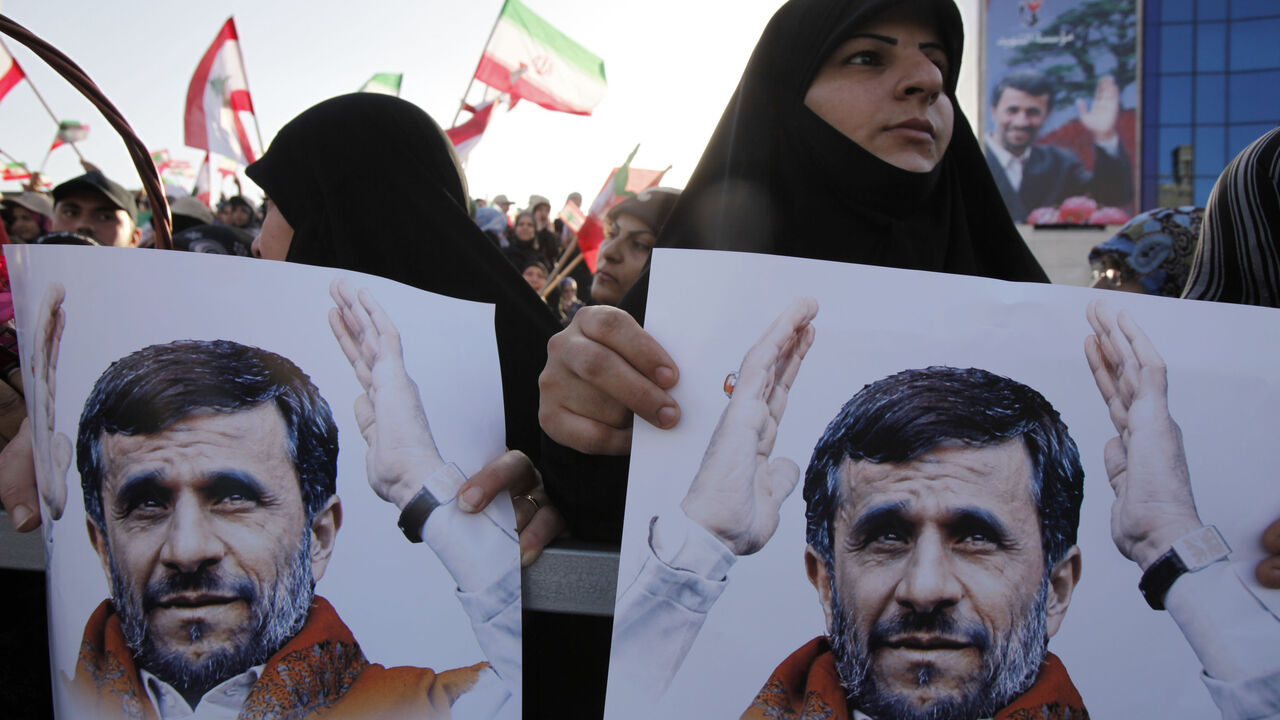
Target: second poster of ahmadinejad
{"x": 910, "y": 495}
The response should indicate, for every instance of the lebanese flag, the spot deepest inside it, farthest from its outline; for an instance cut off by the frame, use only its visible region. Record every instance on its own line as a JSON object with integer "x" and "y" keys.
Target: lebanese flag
{"x": 203, "y": 190}
{"x": 467, "y": 135}
{"x": 217, "y": 95}
{"x": 623, "y": 182}
{"x": 528, "y": 58}
{"x": 10, "y": 72}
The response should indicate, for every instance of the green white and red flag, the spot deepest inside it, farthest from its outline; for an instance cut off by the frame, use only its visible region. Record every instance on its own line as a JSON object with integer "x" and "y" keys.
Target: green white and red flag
{"x": 528, "y": 58}
{"x": 467, "y": 135}
{"x": 15, "y": 171}
{"x": 69, "y": 131}
{"x": 383, "y": 84}
{"x": 217, "y": 97}
{"x": 572, "y": 215}
{"x": 10, "y": 72}
{"x": 623, "y": 182}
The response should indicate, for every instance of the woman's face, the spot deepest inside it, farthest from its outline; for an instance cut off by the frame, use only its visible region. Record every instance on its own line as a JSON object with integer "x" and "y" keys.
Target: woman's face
{"x": 621, "y": 260}
{"x": 883, "y": 88}
{"x": 536, "y": 276}
{"x": 524, "y": 228}
{"x": 275, "y": 238}
{"x": 25, "y": 227}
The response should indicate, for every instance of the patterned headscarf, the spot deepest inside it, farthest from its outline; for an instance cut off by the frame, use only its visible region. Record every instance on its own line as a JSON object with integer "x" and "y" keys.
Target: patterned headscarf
{"x": 1156, "y": 247}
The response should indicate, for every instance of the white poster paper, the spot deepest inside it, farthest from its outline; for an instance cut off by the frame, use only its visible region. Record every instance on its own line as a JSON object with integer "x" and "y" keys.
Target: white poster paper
{"x": 1127, "y": 660}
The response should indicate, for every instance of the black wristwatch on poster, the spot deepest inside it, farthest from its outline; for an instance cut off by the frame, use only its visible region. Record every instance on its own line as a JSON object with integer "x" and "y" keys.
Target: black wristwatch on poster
{"x": 1189, "y": 553}
{"x": 443, "y": 481}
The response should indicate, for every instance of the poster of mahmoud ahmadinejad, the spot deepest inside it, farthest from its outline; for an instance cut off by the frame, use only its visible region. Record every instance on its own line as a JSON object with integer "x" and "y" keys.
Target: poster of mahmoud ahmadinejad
{"x": 898, "y": 494}
{"x": 1060, "y": 99}
{"x": 249, "y": 474}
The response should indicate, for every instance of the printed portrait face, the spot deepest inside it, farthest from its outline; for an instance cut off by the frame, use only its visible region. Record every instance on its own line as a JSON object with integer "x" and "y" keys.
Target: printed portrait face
{"x": 937, "y": 597}
{"x": 206, "y": 542}
{"x": 1018, "y": 117}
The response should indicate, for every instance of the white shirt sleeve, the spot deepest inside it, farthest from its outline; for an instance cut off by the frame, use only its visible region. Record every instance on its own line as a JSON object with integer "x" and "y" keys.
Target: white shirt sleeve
{"x": 660, "y": 613}
{"x": 1235, "y": 637}
{"x": 483, "y": 557}
{"x": 1111, "y": 147}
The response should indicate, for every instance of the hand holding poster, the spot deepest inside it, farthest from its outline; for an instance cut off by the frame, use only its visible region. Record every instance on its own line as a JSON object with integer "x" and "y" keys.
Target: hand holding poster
{"x": 240, "y": 524}
{"x": 954, "y": 545}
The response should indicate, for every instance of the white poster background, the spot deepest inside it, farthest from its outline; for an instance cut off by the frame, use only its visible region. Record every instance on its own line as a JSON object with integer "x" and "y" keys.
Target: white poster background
{"x": 708, "y": 308}
{"x": 395, "y": 596}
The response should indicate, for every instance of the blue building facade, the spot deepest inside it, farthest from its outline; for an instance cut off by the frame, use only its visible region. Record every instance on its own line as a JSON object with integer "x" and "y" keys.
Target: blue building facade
{"x": 1211, "y": 84}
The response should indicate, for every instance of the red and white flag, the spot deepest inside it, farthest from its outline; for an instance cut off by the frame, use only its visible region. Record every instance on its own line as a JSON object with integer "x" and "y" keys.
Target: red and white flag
{"x": 203, "y": 190}
{"x": 465, "y": 136}
{"x": 10, "y": 72}
{"x": 623, "y": 182}
{"x": 528, "y": 58}
{"x": 216, "y": 98}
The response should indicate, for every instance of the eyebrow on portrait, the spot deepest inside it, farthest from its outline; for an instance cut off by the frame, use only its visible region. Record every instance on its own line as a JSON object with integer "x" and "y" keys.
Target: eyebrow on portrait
{"x": 138, "y": 488}
{"x": 226, "y": 483}
{"x": 879, "y": 519}
{"x": 977, "y": 521}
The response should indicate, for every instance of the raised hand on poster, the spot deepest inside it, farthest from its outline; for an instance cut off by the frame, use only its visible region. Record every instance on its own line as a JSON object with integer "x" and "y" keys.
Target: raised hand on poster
{"x": 389, "y": 413}
{"x": 394, "y": 424}
{"x": 1100, "y": 118}
{"x": 1146, "y": 463}
{"x": 52, "y": 449}
{"x": 738, "y": 489}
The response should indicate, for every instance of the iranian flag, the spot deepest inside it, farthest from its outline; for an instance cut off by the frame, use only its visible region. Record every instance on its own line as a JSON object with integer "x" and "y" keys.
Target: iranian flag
{"x": 69, "y": 131}
{"x": 623, "y": 182}
{"x": 15, "y": 171}
{"x": 383, "y": 84}
{"x": 528, "y": 58}
{"x": 10, "y": 72}
{"x": 465, "y": 136}
{"x": 216, "y": 98}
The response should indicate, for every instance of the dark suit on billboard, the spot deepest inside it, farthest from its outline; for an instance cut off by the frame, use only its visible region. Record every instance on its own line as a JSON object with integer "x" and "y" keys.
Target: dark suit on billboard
{"x": 1051, "y": 174}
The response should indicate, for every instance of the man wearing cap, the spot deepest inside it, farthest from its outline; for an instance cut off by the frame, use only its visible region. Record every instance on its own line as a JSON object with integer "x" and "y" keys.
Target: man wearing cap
{"x": 502, "y": 203}
{"x": 94, "y": 206}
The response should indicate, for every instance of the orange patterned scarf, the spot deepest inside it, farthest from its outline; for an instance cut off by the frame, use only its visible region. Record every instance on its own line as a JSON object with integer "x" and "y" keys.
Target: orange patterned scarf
{"x": 321, "y": 672}
{"x": 806, "y": 686}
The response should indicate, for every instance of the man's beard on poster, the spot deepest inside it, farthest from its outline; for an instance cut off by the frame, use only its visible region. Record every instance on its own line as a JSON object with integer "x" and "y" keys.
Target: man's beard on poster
{"x": 275, "y": 617}
{"x": 1009, "y": 665}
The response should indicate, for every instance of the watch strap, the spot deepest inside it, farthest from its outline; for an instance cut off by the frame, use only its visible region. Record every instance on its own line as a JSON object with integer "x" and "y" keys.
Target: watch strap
{"x": 444, "y": 482}
{"x": 1191, "y": 552}
{"x": 415, "y": 514}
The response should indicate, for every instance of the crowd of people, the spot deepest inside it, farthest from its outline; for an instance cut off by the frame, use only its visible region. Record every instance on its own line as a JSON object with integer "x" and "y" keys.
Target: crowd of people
{"x": 842, "y": 142}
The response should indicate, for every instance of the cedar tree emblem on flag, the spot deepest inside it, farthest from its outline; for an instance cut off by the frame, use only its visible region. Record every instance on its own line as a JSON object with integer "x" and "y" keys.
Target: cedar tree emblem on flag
{"x": 528, "y": 58}
{"x": 217, "y": 95}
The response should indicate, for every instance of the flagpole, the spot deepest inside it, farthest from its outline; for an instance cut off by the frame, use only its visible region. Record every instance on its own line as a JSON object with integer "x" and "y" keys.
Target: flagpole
{"x": 47, "y": 109}
{"x": 472, "y": 82}
{"x": 262, "y": 147}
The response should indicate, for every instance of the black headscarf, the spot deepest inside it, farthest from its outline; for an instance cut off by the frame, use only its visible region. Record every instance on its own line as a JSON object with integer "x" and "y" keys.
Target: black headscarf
{"x": 775, "y": 178}
{"x": 370, "y": 183}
